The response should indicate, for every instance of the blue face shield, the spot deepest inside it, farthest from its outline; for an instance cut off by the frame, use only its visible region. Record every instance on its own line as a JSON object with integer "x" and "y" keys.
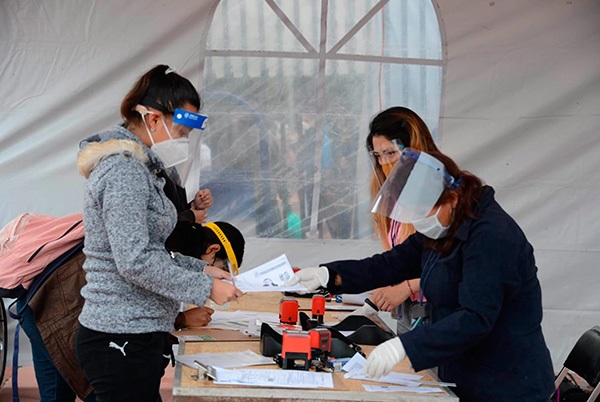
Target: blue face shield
{"x": 181, "y": 152}
{"x": 184, "y": 122}
{"x": 187, "y": 125}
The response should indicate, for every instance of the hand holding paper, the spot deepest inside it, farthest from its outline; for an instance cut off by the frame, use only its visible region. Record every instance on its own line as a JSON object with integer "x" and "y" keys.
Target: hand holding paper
{"x": 270, "y": 276}
{"x": 311, "y": 278}
{"x": 222, "y": 292}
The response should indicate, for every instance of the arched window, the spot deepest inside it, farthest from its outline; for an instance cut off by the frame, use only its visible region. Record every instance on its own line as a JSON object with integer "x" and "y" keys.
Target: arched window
{"x": 290, "y": 87}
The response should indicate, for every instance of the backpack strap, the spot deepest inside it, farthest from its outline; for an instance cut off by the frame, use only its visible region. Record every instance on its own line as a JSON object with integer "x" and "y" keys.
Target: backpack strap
{"x": 49, "y": 270}
{"x": 15, "y": 365}
{"x": 18, "y": 315}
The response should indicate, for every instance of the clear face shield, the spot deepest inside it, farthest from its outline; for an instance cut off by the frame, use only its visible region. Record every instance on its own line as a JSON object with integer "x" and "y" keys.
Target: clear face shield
{"x": 383, "y": 161}
{"x": 184, "y": 129}
{"x": 413, "y": 187}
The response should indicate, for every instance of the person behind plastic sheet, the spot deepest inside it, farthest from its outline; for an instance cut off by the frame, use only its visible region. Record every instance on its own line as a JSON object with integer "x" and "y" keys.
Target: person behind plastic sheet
{"x": 134, "y": 285}
{"x": 477, "y": 270}
{"x": 390, "y": 131}
{"x": 220, "y": 244}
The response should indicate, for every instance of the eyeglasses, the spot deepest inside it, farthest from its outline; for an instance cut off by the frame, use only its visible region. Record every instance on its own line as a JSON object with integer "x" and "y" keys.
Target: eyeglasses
{"x": 390, "y": 154}
{"x": 386, "y": 155}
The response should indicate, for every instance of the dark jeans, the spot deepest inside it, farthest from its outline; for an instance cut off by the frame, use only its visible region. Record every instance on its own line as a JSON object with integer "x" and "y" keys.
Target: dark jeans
{"x": 123, "y": 367}
{"x": 51, "y": 384}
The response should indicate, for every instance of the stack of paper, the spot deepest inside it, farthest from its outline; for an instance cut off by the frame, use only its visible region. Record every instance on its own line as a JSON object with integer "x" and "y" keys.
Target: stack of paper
{"x": 403, "y": 382}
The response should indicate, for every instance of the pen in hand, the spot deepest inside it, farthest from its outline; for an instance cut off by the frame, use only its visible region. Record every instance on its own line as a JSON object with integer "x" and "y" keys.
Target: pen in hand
{"x": 230, "y": 268}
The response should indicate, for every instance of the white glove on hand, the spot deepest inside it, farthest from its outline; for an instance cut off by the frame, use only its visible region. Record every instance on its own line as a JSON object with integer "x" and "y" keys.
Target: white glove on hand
{"x": 384, "y": 357}
{"x": 310, "y": 278}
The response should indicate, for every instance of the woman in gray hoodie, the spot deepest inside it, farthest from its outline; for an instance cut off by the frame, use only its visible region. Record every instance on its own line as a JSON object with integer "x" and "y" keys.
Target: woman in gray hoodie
{"x": 134, "y": 285}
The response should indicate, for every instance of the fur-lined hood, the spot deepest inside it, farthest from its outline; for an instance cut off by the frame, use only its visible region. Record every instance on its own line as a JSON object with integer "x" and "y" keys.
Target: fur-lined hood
{"x": 93, "y": 152}
{"x": 115, "y": 141}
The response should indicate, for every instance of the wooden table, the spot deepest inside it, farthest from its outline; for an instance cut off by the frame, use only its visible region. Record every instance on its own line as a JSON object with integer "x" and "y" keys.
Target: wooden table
{"x": 266, "y": 301}
{"x": 186, "y": 388}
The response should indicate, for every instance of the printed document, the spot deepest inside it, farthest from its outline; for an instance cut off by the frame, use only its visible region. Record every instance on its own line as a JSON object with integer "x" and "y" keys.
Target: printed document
{"x": 355, "y": 369}
{"x": 225, "y": 359}
{"x": 399, "y": 388}
{"x": 274, "y": 378}
{"x": 268, "y": 277}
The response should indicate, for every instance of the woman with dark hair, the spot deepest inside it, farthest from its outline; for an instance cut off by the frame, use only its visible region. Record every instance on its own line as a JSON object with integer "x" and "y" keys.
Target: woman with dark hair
{"x": 391, "y": 131}
{"x": 478, "y": 272}
{"x": 151, "y": 91}
{"x": 58, "y": 375}
{"x": 134, "y": 285}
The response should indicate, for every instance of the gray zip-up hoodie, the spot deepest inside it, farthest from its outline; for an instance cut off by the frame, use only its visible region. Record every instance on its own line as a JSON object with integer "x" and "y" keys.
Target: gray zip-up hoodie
{"x": 134, "y": 285}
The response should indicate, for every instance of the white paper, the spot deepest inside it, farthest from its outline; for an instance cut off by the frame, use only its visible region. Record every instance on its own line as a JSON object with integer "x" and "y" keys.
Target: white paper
{"x": 195, "y": 338}
{"x": 268, "y": 277}
{"x": 397, "y": 388}
{"x": 274, "y": 378}
{"x": 340, "y": 307}
{"x": 238, "y": 320}
{"x": 355, "y": 369}
{"x": 408, "y": 380}
{"x": 357, "y": 363}
{"x": 357, "y": 299}
{"x": 225, "y": 359}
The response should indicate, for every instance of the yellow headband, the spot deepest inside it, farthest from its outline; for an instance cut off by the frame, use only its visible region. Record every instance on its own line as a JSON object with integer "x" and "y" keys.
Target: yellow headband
{"x": 228, "y": 249}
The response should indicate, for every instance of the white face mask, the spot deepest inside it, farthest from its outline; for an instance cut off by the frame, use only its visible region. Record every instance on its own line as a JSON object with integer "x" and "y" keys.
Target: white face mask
{"x": 172, "y": 151}
{"x": 430, "y": 226}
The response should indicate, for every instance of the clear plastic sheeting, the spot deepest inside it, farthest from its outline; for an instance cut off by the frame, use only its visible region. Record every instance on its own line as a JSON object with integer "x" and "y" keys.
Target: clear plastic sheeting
{"x": 290, "y": 106}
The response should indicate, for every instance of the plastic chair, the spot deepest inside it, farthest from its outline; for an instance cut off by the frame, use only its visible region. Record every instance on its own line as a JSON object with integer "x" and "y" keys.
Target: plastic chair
{"x": 584, "y": 360}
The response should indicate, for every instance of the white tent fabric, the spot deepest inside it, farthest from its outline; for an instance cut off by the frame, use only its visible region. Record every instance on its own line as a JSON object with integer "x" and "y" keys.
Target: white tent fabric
{"x": 519, "y": 85}
{"x": 521, "y": 109}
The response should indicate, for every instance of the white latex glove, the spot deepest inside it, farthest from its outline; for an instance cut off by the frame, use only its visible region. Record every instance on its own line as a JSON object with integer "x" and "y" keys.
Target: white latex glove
{"x": 311, "y": 278}
{"x": 384, "y": 357}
